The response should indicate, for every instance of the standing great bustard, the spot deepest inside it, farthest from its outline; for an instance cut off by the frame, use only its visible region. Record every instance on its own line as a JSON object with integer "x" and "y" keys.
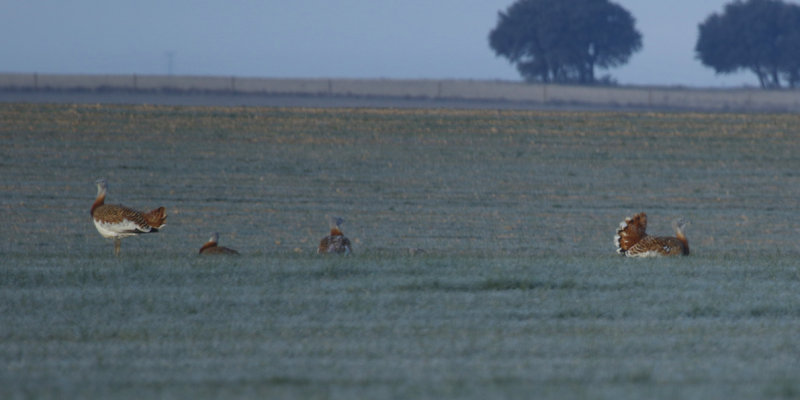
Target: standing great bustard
{"x": 117, "y": 221}
{"x": 335, "y": 242}
{"x": 632, "y": 239}
{"x": 211, "y": 247}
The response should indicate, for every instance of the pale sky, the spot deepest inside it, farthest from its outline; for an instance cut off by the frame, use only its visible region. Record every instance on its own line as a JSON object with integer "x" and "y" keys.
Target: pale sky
{"x": 428, "y": 39}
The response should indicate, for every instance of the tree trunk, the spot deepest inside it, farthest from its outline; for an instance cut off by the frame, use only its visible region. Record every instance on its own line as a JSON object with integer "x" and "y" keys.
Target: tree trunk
{"x": 793, "y": 77}
{"x": 776, "y": 80}
{"x": 760, "y": 74}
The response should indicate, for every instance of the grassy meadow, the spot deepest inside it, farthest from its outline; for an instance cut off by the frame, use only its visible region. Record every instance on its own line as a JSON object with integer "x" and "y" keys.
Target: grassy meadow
{"x": 483, "y": 264}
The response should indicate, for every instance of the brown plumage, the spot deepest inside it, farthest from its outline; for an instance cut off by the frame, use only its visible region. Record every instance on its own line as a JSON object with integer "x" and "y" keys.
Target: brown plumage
{"x": 211, "y": 247}
{"x": 118, "y": 221}
{"x": 632, "y": 239}
{"x": 336, "y": 242}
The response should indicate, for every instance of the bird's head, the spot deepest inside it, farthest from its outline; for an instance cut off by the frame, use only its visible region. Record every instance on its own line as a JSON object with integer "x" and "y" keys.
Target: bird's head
{"x": 335, "y": 224}
{"x": 680, "y": 225}
{"x": 102, "y": 186}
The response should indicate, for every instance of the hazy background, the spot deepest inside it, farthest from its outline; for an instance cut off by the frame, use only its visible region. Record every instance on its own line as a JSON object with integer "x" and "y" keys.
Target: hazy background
{"x": 319, "y": 38}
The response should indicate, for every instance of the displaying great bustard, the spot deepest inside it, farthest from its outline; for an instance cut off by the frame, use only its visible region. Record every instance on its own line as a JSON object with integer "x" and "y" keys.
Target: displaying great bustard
{"x": 117, "y": 221}
{"x": 335, "y": 242}
{"x": 632, "y": 239}
{"x": 211, "y": 247}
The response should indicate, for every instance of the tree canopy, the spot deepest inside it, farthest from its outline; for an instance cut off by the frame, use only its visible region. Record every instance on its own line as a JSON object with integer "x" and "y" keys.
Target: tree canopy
{"x": 762, "y": 36}
{"x": 565, "y": 40}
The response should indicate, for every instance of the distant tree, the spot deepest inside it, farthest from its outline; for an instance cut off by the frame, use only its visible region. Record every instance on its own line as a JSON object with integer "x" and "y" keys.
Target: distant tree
{"x": 762, "y": 36}
{"x": 565, "y": 40}
{"x": 789, "y": 45}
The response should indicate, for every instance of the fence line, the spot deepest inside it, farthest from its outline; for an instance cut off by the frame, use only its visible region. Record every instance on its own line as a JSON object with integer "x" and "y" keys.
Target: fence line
{"x": 744, "y": 99}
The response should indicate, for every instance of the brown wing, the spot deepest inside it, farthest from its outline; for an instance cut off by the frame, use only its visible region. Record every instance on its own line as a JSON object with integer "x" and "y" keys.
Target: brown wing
{"x": 219, "y": 250}
{"x": 334, "y": 244}
{"x": 119, "y": 214}
{"x": 323, "y": 245}
{"x": 656, "y": 246}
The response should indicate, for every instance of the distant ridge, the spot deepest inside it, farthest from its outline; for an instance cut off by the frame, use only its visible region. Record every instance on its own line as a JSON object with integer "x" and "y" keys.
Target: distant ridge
{"x": 641, "y": 97}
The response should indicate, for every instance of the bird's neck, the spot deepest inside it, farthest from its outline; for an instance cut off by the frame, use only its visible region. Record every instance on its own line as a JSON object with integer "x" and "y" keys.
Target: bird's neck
{"x": 101, "y": 198}
{"x": 683, "y": 240}
{"x": 336, "y": 232}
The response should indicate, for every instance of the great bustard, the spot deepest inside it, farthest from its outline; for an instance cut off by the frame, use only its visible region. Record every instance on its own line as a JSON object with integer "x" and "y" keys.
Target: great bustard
{"x": 117, "y": 221}
{"x": 632, "y": 239}
{"x": 211, "y": 247}
{"x": 335, "y": 242}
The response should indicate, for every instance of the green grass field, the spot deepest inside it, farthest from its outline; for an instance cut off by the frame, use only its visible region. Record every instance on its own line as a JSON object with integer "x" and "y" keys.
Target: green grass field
{"x": 483, "y": 264}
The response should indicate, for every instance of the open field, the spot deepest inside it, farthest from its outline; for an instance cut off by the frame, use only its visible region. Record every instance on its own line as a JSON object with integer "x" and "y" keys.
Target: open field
{"x": 483, "y": 263}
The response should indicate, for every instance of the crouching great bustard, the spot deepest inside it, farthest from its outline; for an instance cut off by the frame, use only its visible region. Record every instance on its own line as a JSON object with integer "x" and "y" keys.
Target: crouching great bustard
{"x": 117, "y": 221}
{"x": 335, "y": 242}
{"x": 211, "y": 247}
{"x": 632, "y": 239}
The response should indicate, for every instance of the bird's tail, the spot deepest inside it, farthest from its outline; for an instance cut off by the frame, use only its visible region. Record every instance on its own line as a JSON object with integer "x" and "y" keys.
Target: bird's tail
{"x": 156, "y": 218}
{"x": 630, "y": 232}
